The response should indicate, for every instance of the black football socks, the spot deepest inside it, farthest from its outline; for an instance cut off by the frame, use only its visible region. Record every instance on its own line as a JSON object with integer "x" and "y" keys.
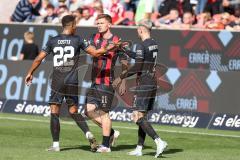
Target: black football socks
{"x": 147, "y": 128}
{"x": 78, "y": 118}
{"x": 55, "y": 126}
{"x": 141, "y": 136}
{"x": 106, "y": 141}
{"x": 112, "y": 132}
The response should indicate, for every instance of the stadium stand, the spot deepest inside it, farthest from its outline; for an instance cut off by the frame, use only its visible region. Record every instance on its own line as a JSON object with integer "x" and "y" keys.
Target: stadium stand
{"x": 176, "y": 14}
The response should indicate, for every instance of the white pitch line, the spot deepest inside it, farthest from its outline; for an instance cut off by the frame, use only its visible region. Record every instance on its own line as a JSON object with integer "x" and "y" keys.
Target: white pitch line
{"x": 131, "y": 128}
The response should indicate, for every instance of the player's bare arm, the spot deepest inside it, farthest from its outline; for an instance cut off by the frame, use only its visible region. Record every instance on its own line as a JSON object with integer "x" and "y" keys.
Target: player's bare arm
{"x": 98, "y": 52}
{"x": 35, "y": 65}
{"x": 134, "y": 69}
{"x": 130, "y": 72}
{"x": 122, "y": 84}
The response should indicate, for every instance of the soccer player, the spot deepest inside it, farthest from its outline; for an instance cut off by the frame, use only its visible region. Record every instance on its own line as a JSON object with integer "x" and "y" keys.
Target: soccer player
{"x": 65, "y": 49}
{"x": 101, "y": 93}
{"x": 145, "y": 63}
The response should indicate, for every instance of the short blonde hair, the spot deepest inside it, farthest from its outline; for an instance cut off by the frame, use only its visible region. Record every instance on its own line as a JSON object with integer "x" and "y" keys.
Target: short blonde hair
{"x": 146, "y": 23}
{"x": 29, "y": 36}
{"x": 105, "y": 16}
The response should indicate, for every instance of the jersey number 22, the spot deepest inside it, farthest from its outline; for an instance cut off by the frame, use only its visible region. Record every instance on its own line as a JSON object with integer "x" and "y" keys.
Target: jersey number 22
{"x": 63, "y": 56}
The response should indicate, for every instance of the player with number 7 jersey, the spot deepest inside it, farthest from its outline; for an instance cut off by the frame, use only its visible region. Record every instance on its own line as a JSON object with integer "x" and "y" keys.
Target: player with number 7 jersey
{"x": 145, "y": 55}
{"x": 65, "y": 49}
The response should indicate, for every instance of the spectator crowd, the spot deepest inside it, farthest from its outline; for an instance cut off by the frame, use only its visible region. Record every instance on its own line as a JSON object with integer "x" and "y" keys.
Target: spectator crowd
{"x": 170, "y": 14}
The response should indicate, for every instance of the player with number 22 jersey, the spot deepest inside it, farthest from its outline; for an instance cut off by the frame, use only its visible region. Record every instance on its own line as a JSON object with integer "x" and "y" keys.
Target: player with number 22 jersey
{"x": 65, "y": 49}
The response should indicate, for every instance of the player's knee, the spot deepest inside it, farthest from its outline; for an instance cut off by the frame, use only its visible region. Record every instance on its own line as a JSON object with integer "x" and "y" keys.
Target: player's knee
{"x": 54, "y": 109}
{"x": 136, "y": 116}
{"x": 140, "y": 120}
{"x": 54, "y": 112}
{"x": 72, "y": 110}
{"x": 104, "y": 115}
{"x": 89, "y": 108}
{"x": 134, "y": 120}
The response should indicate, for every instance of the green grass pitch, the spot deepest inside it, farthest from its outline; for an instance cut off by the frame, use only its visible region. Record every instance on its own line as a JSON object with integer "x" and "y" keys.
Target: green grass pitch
{"x": 24, "y": 137}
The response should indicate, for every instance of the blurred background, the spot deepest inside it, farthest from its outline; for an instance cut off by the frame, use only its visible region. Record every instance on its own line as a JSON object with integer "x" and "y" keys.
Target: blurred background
{"x": 198, "y": 43}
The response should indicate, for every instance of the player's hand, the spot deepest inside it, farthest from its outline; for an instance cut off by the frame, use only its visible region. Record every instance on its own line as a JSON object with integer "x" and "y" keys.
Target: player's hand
{"x": 114, "y": 45}
{"x": 111, "y": 47}
{"x": 117, "y": 82}
{"x": 124, "y": 43}
{"x": 122, "y": 87}
{"x": 28, "y": 79}
{"x": 124, "y": 46}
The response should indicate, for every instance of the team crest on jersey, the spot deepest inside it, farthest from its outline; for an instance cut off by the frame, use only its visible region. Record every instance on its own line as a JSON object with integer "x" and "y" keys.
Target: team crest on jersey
{"x": 97, "y": 41}
{"x": 139, "y": 52}
{"x": 86, "y": 43}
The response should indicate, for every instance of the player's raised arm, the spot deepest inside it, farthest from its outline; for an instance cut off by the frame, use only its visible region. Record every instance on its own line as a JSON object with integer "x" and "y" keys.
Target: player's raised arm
{"x": 127, "y": 48}
{"x": 124, "y": 62}
{"x": 134, "y": 69}
{"x": 127, "y": 73}
{"x": 35, "y": 65}
{"x": 94, "y": 52}
{"x": 98, "y": 52}
{"x": 139, "y": 57}
{"x": 88, "y": 46}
